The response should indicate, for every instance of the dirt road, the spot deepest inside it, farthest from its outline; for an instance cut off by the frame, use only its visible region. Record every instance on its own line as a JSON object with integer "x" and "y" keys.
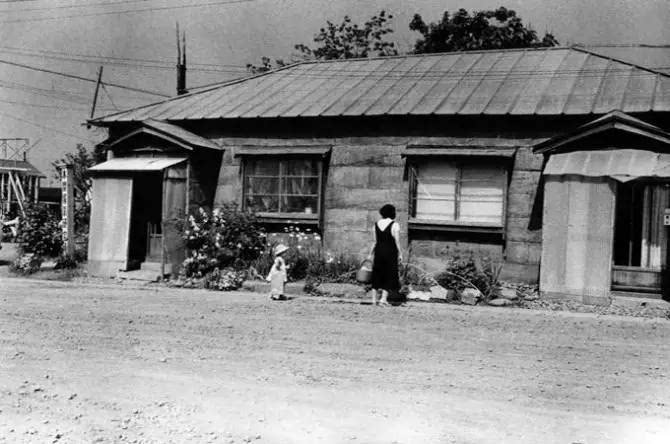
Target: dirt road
{"x": 101, "y": 364}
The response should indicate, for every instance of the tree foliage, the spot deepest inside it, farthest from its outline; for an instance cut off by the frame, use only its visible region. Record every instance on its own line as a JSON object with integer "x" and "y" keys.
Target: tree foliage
{"x": 346, "y": 40}
{"x": 492, "y": 29}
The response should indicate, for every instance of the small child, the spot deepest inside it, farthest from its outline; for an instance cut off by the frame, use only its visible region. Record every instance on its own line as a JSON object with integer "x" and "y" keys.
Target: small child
{"x": 278, "y": 276}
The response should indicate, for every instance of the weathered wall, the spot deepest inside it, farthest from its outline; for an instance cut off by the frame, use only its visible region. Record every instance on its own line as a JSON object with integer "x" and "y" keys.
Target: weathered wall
{"x": 363, "y": 173}
{"x": 204, "y": 170}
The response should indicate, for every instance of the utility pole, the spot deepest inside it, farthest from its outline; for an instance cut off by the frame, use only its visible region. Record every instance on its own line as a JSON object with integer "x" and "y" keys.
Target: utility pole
{"x": 97, "y": 89}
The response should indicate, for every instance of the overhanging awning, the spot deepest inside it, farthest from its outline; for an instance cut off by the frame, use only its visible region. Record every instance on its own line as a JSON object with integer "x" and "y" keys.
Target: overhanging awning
{"x": 137, "y": 164}
{"x": 622, "y": 165}
{"x": 282, "y": 150}
{"x": 480, "y": 151}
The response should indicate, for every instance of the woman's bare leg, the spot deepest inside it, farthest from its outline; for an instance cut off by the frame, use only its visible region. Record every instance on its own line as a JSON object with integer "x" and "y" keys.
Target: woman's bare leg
{"x": 384, "y": 299}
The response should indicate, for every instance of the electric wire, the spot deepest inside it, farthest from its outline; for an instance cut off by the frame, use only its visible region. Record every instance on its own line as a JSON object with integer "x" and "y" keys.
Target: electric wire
{"x": 168, "y": 63}
{"x": 30, "y": 122}
{"x": 126, "y": 11}
{"x": 85, "y": 79}
{"x": 102, "y": 61}
{"x": 75, "y": 6}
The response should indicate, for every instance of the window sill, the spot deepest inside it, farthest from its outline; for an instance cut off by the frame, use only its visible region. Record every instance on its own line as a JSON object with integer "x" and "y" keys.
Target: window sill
{"x": 469, "y": 227}
{"x": 289, "y": 218}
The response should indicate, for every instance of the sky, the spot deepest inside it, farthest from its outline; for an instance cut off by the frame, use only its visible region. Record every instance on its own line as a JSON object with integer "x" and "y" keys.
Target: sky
{"x": 134, "y": 40}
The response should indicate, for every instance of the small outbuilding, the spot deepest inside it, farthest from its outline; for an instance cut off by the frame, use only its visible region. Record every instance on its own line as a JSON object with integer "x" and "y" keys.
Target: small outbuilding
{"x": 550, "y": 161}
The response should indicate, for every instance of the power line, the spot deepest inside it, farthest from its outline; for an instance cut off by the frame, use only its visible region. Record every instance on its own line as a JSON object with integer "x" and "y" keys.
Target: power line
{"x": 103, "y": 60}
{"x": 46, "y": 127}
{"x": 126, "y": 11}
{"x": 169, "y": 63}
{"x": 109, "y": 96}
{"x": 38, "y": 105}
{"x": 85, "y": 79}
{"x": 87, "y": 5}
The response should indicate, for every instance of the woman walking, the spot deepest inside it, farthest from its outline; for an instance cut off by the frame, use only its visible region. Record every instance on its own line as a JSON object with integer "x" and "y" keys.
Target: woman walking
{"x": 386, "y": 251}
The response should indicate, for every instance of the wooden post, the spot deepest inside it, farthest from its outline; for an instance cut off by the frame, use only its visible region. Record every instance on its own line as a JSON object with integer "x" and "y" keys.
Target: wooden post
{"x": 67, "y": 207}
{"x": 95, "y": 95}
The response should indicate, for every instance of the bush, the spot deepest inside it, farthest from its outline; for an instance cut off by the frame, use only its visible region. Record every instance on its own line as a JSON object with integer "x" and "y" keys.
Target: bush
{"x": 306, "y": 258}
{"x": 224, "y": 280}
{"x": 226, "y": 238}
{"x": 466, "y": 270}
{"x": 39, "y": 231}
{"x": 70, "y": 261}
{"x": 26, "y": 264}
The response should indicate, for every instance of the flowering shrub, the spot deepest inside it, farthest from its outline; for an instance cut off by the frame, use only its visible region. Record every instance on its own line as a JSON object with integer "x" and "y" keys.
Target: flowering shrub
{"x": 307, "y": 259}
{"x": 39, "y": 231}
{"x": 224, "y": 280}
{"x": 226, "y": 238}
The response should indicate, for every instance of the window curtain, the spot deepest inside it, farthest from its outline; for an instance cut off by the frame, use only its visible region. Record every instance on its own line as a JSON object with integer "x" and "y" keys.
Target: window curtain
{"x": 481, "y": 198}
{"x": 467, "y": 193}
{"x": 436, "y": 191}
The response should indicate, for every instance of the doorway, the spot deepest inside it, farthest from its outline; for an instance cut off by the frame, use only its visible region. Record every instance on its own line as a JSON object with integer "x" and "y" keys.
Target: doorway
{"x": 145, "y": 219}
{"x": 640, "y": 237}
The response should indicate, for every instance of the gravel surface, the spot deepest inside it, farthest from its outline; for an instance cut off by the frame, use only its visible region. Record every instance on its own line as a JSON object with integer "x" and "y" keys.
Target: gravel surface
{"x": 107, "y": 364}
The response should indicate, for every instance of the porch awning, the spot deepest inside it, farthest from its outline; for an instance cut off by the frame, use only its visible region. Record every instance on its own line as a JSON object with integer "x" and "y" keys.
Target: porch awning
{"x": 622, "y": 165}
{"x": 485, "y": 151}
{"x": 120, "y": 164}
{"x": 318, "y": 150}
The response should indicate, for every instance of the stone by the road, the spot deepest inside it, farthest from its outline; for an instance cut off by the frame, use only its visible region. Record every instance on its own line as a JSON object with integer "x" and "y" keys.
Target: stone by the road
{"x": 470, "y": 296}
{"x": 508, "y": 293}
{"x": 415, "y": 295}
{"x": 500, "y": 302}
{"x": 438, "y": 292}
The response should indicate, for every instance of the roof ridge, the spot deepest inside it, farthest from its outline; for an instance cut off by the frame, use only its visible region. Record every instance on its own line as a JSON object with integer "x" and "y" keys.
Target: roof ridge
{"x": 618, "y": 60}
{"x": 435, "y": 54}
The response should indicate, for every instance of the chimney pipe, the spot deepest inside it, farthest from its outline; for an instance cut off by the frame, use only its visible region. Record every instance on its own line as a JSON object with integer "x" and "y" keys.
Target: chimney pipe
{"x": 181, "y": 63}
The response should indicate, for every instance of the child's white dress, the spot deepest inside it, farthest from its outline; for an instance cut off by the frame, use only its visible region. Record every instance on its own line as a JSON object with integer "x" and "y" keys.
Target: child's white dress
{"x": 277, "y": 278}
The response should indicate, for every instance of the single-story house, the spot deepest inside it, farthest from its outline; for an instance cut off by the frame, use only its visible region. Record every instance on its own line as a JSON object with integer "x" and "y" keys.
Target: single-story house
{"x": 554, "y": 161}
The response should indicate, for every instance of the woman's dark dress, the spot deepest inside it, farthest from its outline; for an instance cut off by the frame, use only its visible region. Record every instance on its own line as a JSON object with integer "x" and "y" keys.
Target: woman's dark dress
{"x": 385, "y": 264}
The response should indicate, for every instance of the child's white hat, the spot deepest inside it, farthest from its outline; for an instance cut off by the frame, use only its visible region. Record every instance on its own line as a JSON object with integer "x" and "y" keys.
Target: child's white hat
{"x": 279, "y": 249}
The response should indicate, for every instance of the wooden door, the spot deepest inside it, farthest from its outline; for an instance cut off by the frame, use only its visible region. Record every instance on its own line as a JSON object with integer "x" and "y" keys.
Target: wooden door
{"x": 577, "y": 235}
{"x": 175, "y": 187}
{"x": 109, "y": 230}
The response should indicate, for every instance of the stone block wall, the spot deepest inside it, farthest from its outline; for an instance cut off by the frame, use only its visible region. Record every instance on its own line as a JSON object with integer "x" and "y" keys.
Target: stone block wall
{"x": 362, "y": 178}
{"x": 523, "y": 241}
{"x": 362, "y": 175}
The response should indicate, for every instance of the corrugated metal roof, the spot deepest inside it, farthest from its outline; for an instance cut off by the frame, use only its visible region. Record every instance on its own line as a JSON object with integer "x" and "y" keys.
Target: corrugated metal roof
{"x": 20, "y": 166}
{"x": 622, "y": 165}
{"x": 548, "y": 81}
{"x": 137, "y": 164}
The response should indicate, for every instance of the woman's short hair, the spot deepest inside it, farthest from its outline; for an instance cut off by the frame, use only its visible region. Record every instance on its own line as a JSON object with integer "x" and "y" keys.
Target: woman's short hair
{"x": 387, "y": 210}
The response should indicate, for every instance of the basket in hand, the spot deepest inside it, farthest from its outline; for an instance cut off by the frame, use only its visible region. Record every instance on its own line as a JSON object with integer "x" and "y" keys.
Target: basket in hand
{"x": 364, "y": 273}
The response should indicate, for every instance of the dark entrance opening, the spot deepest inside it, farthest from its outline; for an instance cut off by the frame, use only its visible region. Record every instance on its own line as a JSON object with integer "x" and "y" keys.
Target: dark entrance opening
{"x": 145, "y": 220}
{"x": 640, "y": 237}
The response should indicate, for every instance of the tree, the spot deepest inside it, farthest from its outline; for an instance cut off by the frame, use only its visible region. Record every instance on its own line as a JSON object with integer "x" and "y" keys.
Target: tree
{"x": 344, "y": 41}
{"x": 493, "y": 29}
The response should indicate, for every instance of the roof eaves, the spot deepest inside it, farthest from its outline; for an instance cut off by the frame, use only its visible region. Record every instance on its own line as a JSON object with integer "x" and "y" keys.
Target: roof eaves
{"x": 612, "y": 120}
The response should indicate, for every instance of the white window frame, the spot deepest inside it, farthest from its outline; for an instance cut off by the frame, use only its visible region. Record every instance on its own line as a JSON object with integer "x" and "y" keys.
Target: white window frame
{"x": 414, "y": 165}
